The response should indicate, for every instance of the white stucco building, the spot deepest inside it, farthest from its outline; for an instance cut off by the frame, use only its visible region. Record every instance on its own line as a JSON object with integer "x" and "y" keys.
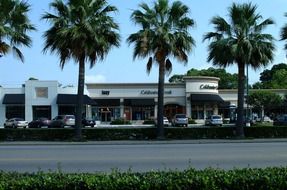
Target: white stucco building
{"x": 197, "y": 97}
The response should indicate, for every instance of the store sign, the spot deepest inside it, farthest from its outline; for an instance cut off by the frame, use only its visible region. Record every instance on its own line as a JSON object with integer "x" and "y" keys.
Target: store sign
{"x": 154, "y": 92}
{"x": 208, "y": 87}
{"x": 41, "y": 92}
{"x": 105, "y": 92}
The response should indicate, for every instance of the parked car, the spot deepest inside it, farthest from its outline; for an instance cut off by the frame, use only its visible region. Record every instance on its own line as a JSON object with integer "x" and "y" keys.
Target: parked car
{"x": 214, "y": 120}
{"x": 15, "y": 123}
{"x": 88, "y": 122}
{"x": 61, "y": 121}
{"x": 165, "y": 121}
{"x": 267, "y": 119}
{"x": 180, "y": 120}
{"x": 40, "y": 122}
{"x": 280, "y": 120}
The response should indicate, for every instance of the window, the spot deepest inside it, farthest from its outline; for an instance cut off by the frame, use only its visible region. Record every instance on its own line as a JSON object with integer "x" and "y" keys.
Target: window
{"x": 41, "y": 92}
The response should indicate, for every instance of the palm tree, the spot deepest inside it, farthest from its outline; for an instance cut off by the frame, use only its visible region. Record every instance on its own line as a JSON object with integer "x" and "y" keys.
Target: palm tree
{"x": 14, "y": 25}
{"x": 164, "y": 33}
{"x": 283, "y": 34}
{"x": 240, "y": 42}
{"x": 82, "y": 31}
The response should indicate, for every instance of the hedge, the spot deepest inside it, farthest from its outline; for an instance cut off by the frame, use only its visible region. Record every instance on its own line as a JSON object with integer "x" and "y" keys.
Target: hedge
{"x": 136, "y": 133}
{"x": 207, "y": 179}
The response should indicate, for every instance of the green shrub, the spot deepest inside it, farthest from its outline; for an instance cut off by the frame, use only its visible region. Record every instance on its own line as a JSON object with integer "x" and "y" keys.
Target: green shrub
{"x": 236, "y": 179}
{"x": 149, "y": 122}
{"x": 120, "y": 122}
{"x": 191, "y": 121}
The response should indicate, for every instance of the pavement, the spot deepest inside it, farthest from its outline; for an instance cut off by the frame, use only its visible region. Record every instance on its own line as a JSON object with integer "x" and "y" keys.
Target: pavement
{"x": 138, "y": 142}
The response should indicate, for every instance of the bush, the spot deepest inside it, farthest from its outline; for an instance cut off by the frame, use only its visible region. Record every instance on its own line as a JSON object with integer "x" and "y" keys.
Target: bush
{"x": 120, "y": 122}
{"x": 149, "y": 122}
{"x": 191, "y": 121}
{"x": 236, "y": 179}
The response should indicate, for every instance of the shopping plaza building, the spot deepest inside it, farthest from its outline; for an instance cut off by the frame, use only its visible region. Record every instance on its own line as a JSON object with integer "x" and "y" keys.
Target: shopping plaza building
{"x": 197, "y": 97}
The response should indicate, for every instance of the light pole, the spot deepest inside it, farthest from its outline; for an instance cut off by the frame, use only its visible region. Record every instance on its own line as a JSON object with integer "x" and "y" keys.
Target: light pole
{"x": 246, "y": 98}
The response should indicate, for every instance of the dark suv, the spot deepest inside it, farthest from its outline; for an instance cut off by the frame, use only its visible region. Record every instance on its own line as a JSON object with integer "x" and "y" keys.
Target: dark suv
{"x": 61, "y": 121}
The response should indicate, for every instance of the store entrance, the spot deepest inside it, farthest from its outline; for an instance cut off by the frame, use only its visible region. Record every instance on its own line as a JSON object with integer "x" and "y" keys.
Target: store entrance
{"x": 41, "y": 111}
{"x": 106, "y": 114}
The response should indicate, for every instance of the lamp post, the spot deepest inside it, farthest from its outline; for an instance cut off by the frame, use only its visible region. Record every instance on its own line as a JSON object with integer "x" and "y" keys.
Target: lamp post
{"x": 246, "y": 98}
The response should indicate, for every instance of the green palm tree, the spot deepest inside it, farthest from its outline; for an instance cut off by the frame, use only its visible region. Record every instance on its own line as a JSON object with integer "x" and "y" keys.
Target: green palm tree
{"x": 241, "y": 42}
{"x": 14, "y": 25}
{"x": 164, "y": 33}
{"x": 83, "y": 31}
{"x": 283, "y": 34}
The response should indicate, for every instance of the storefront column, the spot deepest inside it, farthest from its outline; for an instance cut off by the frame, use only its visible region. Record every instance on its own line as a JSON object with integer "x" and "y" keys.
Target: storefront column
{"x": 188, "y": 107}
{"x": 122, "y": 108}
{"x": 88, "y": 111}
{"x": 215, "y": 109}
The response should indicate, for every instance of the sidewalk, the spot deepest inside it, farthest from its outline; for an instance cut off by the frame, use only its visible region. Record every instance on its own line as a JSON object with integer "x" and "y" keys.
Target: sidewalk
{"x": 139, "y": 142}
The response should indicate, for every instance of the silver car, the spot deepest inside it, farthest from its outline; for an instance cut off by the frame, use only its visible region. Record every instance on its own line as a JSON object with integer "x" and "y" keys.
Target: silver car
{"x": 214, "y": 120}
{"x": 15, "y": 123}
{"x": 61, "y": 121}
{"x": 180, "y": 120}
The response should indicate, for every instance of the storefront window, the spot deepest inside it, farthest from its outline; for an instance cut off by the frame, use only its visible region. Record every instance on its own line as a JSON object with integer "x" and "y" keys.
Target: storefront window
{"x": 142, "y": 113}
{"x": 197, "y": 112}
{"x": 15, "y": 111}
{"x": 41, "y": 111}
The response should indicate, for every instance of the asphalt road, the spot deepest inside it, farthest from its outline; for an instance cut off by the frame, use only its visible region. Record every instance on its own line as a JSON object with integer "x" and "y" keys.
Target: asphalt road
{"x": 139, "y": 157}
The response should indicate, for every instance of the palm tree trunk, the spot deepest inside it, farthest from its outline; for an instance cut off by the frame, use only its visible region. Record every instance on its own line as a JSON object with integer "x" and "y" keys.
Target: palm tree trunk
{"x": 160, "y": 128}
{"x": 80, "y": 99}
{"x": 240, "y": 101}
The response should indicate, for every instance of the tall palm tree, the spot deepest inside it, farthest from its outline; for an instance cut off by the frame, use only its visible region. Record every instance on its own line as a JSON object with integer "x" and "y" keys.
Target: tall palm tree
{"x": 241, "y": 42}
{"x": 83, "y": 31}
{"x": 283, "y": 34}
{"x": 164, "y": 33}
{"x": 14, "y": 25}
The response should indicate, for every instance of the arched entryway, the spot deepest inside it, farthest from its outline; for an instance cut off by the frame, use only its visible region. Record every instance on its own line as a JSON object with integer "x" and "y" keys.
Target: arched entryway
{"x": 171, "y": 109}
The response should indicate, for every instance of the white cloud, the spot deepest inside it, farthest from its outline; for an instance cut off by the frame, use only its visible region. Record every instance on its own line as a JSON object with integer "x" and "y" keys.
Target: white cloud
{"x": 95, "y": 79}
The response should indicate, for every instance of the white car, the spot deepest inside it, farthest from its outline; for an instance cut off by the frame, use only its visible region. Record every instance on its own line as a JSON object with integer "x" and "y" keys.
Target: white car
{"x": 165, "y": 121}
{"x": 15, "y": 123}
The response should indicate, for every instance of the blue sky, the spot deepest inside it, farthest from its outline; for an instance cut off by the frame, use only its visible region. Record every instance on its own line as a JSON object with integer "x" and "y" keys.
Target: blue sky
{"x": 119, "y": 65}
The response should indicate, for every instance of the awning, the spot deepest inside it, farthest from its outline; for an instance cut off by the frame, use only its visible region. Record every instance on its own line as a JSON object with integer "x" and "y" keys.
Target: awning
{"x": 71, "y": 99}
{"x": 108, "y": 102}
{"x": 139, "y": 102}
{"x": 14, "y": 99}
{"x": 206, "y": 98}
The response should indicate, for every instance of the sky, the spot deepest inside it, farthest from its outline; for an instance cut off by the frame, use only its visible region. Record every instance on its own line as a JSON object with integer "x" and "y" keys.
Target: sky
{"x": 119, "y": 66}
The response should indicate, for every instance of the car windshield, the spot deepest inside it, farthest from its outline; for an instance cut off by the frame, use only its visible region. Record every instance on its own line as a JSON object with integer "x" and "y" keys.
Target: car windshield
{"x": 180, "y": 116}
{"x": 216, "y": 117}
{"x": 70, "y": 117}
{"x": 19, "y": 119}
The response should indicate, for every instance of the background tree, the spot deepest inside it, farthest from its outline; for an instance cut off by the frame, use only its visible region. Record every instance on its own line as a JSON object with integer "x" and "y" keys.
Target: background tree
{"x": 240, "y": 41}
{"x": 275, "y": 78}
{"x": 176, "y": 79}
{"x": 164, "y": 33}
{"x": 264, "y": 99}
{"x": 82, "y": 31}
{"x": 227, "y": 80}
{"x": 14, "y": 25}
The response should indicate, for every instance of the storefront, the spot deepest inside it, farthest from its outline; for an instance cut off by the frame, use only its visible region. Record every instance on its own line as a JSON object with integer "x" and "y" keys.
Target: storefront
{"x": 197, "y": 97}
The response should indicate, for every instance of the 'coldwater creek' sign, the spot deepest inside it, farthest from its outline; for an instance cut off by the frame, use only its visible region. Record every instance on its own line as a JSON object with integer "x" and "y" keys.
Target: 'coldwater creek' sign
{"x": 154, "y": 92}
{"x": 208, "y": 86}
